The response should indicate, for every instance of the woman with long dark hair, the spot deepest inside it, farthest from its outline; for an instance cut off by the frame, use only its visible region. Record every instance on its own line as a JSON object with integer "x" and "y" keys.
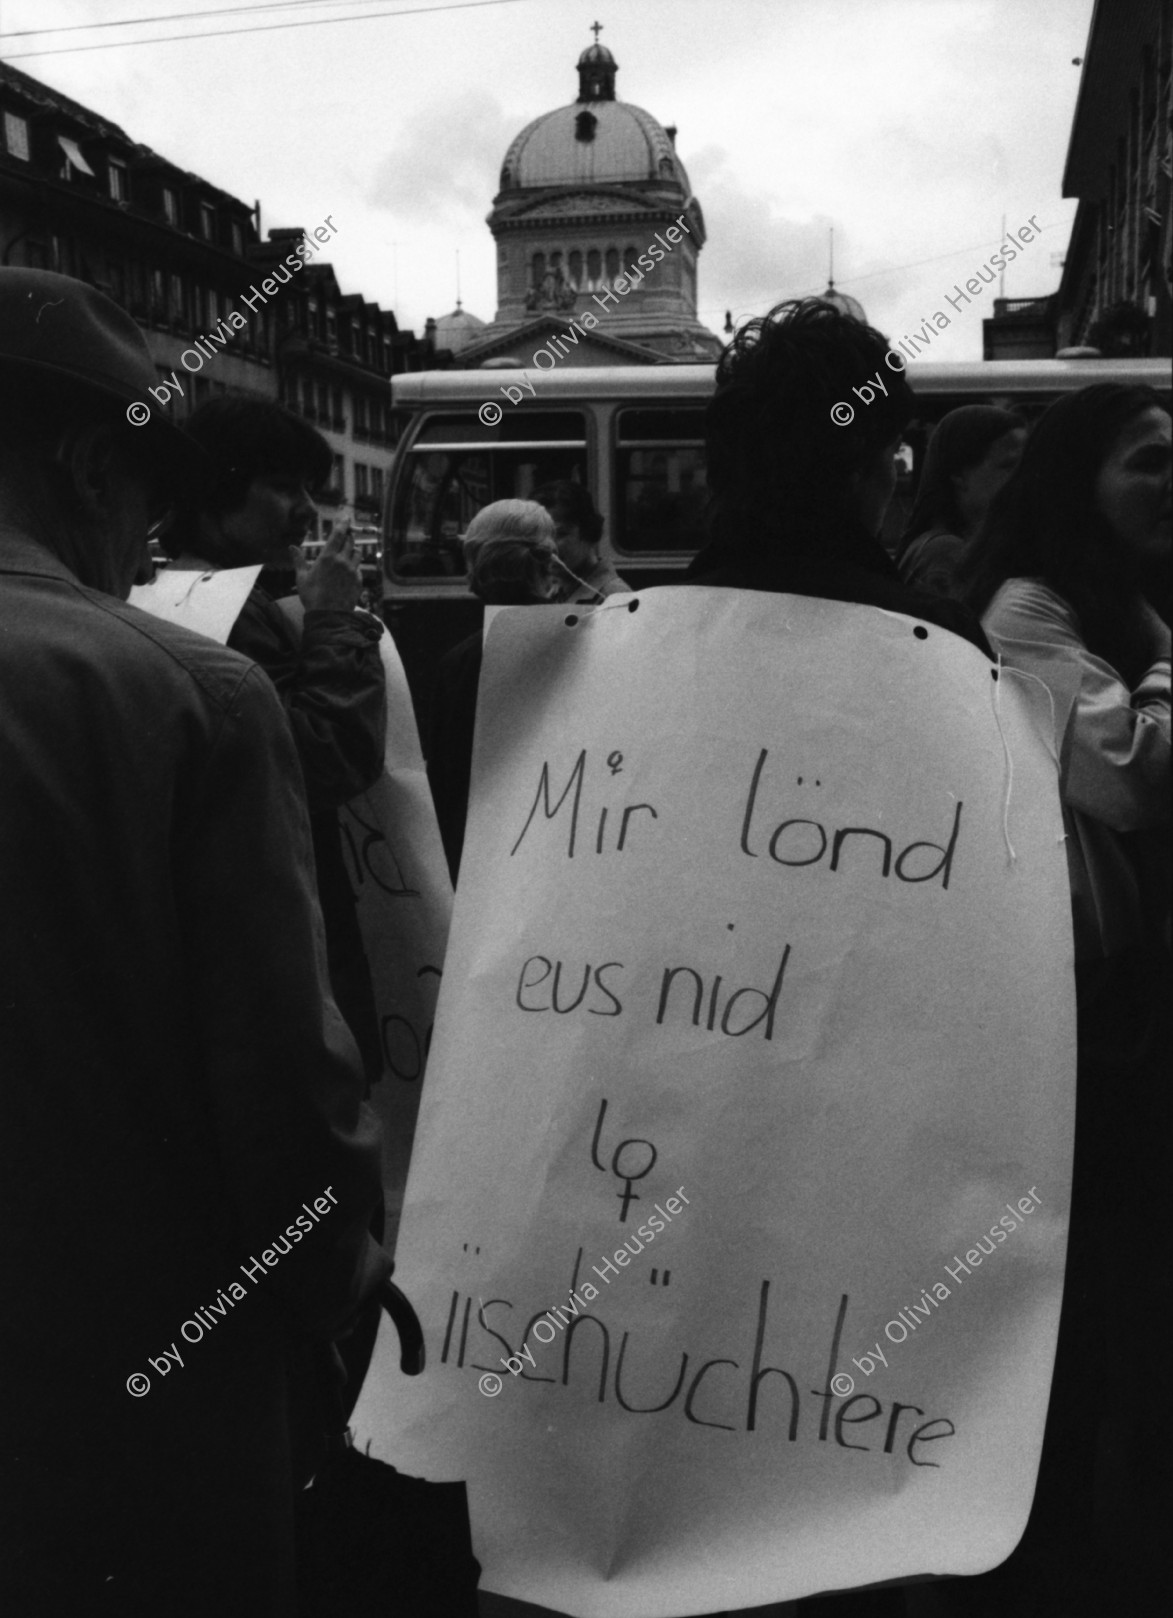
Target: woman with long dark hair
{"x": 970, "y": 455}
{"x": 1073, "y": 555}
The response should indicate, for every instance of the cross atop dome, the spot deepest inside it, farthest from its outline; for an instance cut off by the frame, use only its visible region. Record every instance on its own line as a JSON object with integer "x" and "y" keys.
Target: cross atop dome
{"x": 596, "y": 70}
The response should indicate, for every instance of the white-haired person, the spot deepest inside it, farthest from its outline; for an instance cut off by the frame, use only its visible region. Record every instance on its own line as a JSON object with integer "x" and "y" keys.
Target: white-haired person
{"x": 511, "y": 555}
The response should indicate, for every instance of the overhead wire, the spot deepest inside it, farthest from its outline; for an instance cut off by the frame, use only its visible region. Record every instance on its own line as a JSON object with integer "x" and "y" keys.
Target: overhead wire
{"x": 268, "y": 28}
{"x": 168, "y": 16}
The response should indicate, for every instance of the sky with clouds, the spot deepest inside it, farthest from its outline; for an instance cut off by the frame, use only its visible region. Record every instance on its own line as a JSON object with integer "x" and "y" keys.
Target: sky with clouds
{"x": 910, "y": 126}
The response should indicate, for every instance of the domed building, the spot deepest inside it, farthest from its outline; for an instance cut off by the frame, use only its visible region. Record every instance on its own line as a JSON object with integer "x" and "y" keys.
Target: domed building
{"x": 598, "y": 233}
{"x": 457, "y": 330}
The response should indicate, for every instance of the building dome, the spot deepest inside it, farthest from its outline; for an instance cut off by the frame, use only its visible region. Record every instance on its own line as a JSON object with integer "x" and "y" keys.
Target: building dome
{"x": 595, "y": 218}
{"x": 456, "y": 330}
{"x": 593, "y": 143}
{"x": 845, "y": 304}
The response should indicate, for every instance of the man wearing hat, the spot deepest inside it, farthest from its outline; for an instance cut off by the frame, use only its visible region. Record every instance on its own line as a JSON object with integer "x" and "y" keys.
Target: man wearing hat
{"x": 188, "y": 1169}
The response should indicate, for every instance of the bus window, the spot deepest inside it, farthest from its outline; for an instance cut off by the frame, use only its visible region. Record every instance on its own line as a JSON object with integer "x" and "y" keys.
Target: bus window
{"x": 660, "y": 481}
{"x": 457, "y": 464}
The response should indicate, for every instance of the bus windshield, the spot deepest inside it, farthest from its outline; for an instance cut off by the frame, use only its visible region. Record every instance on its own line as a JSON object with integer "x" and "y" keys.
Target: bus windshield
{"x": 457, "y": 464}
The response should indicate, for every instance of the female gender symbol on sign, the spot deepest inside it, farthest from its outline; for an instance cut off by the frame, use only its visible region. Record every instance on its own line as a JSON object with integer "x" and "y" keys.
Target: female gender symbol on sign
{"x": 629, "y": 1176}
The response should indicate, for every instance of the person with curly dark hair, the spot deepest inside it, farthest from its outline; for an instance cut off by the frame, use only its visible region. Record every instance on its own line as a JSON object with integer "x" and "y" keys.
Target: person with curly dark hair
{"x": 971, "y": 453}
{"x": 797, "y": 500}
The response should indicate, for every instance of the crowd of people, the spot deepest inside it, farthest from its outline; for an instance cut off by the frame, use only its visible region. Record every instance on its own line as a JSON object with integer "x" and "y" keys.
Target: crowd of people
{"x": 187, "y": 1026}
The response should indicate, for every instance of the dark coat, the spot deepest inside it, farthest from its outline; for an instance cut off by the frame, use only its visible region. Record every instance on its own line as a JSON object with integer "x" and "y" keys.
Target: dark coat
{"x": 844, "y": 563}
{"x": 448, "y": 741}
{"x": 330, "y": 681}
{"x": 176, "y": 1087}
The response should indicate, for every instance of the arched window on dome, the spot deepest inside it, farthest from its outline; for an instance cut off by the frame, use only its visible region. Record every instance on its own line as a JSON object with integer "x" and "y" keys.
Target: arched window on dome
{"x": 612, "y": 265}
{"x": 594, "y": 269}
{"x": 575, "y": 270}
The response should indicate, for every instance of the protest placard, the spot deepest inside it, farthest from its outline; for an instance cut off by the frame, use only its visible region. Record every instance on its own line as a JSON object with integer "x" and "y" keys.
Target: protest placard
{"x": 756, "y": 1030}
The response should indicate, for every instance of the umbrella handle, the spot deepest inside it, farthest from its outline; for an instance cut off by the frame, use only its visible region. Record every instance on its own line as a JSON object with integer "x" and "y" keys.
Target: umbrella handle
{"x": 406, "y": 1323}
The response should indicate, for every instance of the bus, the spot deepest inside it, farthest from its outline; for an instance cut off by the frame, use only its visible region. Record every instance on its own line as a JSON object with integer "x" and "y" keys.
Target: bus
{"x": 634, "y": 435}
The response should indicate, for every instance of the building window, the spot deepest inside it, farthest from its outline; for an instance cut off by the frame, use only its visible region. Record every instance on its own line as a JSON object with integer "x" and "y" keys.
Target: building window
{"x": 612, "y": 265}
{"x": 237, "y": 234}
{"x": 339, "y": 414}
{"x": 175, "y": 310}
{"x": 16, "y": 136}
{"x": 73, "y": 159}
{"x": 332, "y": 328}
{"x": 158, "y": 295}
{"x": 170, "y": 205}
{"x": 575, "y": 270}
{"x": 594, "y": 269}
{"x": 338, "y": 476}
{"x": 118, "y": 179}
{"x": 213, "y": 307}
{"x": 377, "y": 483}
{"x": 207, "y": 222}
{"x": 360, "y": 418}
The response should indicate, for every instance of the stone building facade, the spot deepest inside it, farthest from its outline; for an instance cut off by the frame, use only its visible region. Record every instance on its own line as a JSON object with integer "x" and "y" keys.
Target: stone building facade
{"x": 596, "y": 217}
{"x": 78, "y": 196}
{"x": 1115, "y": 292}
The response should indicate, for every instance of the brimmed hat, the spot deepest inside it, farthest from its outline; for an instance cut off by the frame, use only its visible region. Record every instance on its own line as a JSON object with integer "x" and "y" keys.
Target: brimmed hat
{"x": 64, "y": 341}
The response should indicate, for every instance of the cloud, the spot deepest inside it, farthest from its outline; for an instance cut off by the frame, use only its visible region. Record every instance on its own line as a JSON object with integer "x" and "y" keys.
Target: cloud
{"x": 449, "y": 164}
{"x": 753, "y": 256}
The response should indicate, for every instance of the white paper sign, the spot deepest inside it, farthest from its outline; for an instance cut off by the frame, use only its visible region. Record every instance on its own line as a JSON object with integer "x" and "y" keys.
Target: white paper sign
{"x": 207, "y": 601}
{"x": 737, "y": 1214}
{"x": 399, "y": 876}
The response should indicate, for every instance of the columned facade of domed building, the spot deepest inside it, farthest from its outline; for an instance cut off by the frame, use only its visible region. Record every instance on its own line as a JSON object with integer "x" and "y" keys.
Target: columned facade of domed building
{"x": 597, "y": 234}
